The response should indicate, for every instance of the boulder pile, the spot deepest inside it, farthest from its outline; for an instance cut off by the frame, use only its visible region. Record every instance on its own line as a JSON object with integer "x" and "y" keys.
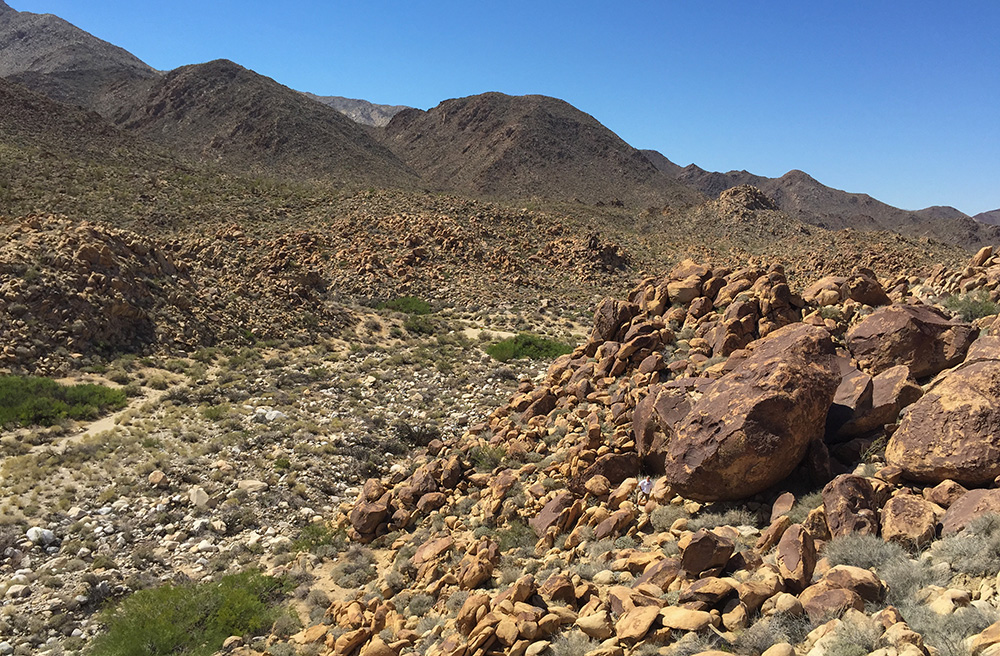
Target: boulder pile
{"x": 529, "y": 531}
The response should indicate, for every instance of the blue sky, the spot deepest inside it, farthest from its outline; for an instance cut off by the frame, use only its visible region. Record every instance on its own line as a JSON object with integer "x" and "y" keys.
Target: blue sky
{"x": 898, "y": 100}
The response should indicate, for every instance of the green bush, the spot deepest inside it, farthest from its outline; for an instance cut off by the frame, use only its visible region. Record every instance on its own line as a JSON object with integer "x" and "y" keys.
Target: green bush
{"x": 320, "y": 539}
{"x": 28, "y": 400}
{"x": 972, "y": 306}
{"x": 526, "y": 345}
{"x": 517, "y": 535}
{"x": 487, "y": 458}
{"x": 419, "y": 325}
{"x": 408, "y": 304}
{"x": 189, "y": 620}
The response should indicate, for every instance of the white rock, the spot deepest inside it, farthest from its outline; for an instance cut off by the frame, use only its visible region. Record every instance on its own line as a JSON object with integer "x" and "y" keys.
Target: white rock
{"x": 39, "y": 535}
{"x": 198, "y": 496}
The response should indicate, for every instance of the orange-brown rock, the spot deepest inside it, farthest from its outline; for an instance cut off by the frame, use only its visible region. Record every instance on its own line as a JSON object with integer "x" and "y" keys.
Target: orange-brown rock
{"x": 552, "y": 512}
{"x": 849, "y": 505}
{"x": 754, "y": 425}
{"x": 636, "y": 622}
{"x": 864, "y": 582}
{"x": 968, "y": 507}
{"x": 796, "y": 557}
{"x": 910, "y": 520}
{"x": 920, "y": 337}
{"x": 953, "y": 431}
{"x": 705, "y": 551}
{"x": 829, "y": 603}
{"x": 892, "y": 390}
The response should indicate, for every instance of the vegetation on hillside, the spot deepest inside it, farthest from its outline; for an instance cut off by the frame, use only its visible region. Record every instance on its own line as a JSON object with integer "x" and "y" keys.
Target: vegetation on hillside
{"x": 526, "y": 345}
{"x": 32, "y": 400}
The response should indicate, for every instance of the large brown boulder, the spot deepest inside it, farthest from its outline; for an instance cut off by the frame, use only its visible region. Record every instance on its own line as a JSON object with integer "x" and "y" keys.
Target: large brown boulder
{"x": 850, "y": 506}
{"x": 918, "y": 336}
{"x": 969, "y": 506}
{"x": 653, "y": 422}
{"x": 953, "y": 431}
{"x": 609, "y": 318}
{"x": 754, "y": 425}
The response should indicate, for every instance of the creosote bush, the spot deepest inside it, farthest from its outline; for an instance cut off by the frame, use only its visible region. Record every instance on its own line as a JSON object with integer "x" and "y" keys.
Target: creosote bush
{"x": 190, "y": 620}
{"x": 408, "y": 304}
{"x": 526, "y": 345}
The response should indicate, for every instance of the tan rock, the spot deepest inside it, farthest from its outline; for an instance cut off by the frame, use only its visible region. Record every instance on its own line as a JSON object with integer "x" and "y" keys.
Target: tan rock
{"x": 596, "y": 625}
{"x": 910, "y": 520}
{"x": 948, "y": 434}
{"x": 636, "y": 622}
{"x": 796, "y": 557}
{"x": 920, "y": 337}
{"x": 598, "y": 485}
{"x": 849, "y": 504}
{"x": 684, "y": 619}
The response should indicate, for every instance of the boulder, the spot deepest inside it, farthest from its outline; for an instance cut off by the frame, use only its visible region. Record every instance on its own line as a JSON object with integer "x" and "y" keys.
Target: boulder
{"x": 755, "y": 424}
{"x": 705, "y": 551}
{"x": 796, "y": 557}
{"x": 909, "y": 520}
{"x": 864, "y": 288}
{"x": 918, "y": 336}
{"x": 653, "y": 423}
{"x": 551, "y": 513}
{"x": 609, "y": 318}
{"x": 892, "y": 390}
{"x": 953, "y": 431}
{"x": 968, "y": 507}
{"x": 850, "y": 506}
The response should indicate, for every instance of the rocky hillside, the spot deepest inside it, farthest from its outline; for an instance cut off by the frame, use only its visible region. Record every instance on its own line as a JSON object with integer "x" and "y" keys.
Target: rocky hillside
{"x": 361, "y": 111}
{"x": 801, "y": 196}
{"x": 222, "y": 112}
{"x": 992, "y": 217}
{"x": 54, "y": 57}
{"x": 529, "y": 533}
{"x": 523, "y": 147}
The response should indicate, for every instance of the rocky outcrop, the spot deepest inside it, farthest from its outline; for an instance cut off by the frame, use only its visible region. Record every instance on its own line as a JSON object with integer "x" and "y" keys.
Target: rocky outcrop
{"x": 953, "y": 431}
{"x": 920, "y": 337}
{"x": 753, "y": 426}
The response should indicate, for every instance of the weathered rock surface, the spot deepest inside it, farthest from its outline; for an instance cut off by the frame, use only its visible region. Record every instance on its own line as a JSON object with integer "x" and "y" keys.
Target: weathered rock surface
{"x": 755, "y": 424}
{"x": 953, "y": 431}
{"x": 920, "y": 337}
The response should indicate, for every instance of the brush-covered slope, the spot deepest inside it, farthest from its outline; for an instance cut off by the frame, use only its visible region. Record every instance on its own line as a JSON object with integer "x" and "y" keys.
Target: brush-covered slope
{"x": 523, "y": 147}
{"x": 220, "y": 111}
{"x": 54, "y": 57}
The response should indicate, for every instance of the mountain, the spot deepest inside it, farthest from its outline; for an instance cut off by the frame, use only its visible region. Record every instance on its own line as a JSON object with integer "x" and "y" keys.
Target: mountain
{"x": 360, "y": 111}
{"x": 941, "y": 212}
{"x": 49, "y": 55}
{"x": 522, "y": 147}
{"x": 222, "y": 112}
{"x": 991, "y": 217}
{"x": 660, "y": 161}
{"x": 801, "y": 196}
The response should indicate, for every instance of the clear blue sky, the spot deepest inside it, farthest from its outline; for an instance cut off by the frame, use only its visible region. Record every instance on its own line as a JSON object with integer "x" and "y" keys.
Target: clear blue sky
{"x": 898, "y": 100}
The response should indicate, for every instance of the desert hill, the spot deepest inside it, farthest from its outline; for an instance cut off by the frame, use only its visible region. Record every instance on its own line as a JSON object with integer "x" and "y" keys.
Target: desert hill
{"x": 361, "y": 111}
{"x": 523, "y": 147}
{"x": 991, "y": 217}
{"x": 59, "y": 59}
{"x": 222, "y": 112}
{"x": 803, "y": 197}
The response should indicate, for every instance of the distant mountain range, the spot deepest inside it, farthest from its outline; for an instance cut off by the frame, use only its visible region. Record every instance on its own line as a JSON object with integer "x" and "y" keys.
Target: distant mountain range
{"x": 490, "y": 145}
{"x": 361, "y": 111}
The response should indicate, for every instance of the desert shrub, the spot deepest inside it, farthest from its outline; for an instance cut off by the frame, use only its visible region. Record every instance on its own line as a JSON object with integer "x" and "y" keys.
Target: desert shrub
{"x": 517, "y": 535}
{"x": 415, "y": 434}
{"x": 732, "y": 517}
{"x": 769, "y": 631}
{"x": 854, "y": 637}
{"x": 573, "y": 643}
{"x": 419, "y": 604}
{"x": 320, "y": 539}
{"x": 190, "y": 620}
{"x": 30, "y": 400}
{"x": 865, "y": 551}
{"x": 526, "y": 345}
{"x": 974, "y": 305}
{"x": 948, "y": 632}
{"x": 804, "y": 505}
{"x": 408, "y": 304}
{"x": 974, "y": 551}
{"x": 487, "y": 458}
{"x": 416, "y": 324}
{"x": 356, "y": 567}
